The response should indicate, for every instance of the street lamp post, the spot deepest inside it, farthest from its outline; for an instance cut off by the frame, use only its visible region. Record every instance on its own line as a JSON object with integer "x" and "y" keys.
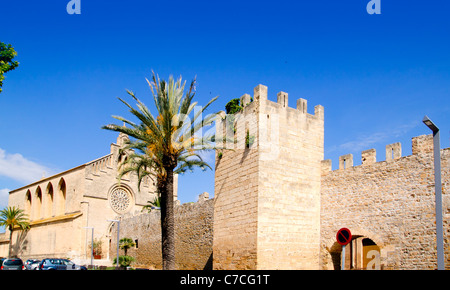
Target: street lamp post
{"x": 438, "y": 191}
{"x": 118, "y": 228}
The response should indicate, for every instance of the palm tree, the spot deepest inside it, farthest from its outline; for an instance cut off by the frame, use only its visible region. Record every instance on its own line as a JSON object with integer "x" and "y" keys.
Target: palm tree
{"x": 165, "y": 144}
{"x": 125, "y": 244}
{"x": 155, "y": 204}
{"x": 13, "y": 217}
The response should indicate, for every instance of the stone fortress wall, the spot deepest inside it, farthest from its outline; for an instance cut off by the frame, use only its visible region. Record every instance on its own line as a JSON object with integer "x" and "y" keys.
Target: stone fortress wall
{"x": 391, "y": 202}
{"x": 193, "y": 236}
{"x": 278, "y": 204}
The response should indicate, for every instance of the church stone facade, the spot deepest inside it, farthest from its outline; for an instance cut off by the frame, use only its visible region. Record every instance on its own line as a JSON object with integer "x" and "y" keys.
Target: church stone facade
{"x": 64, "y": 207}
{"x": 277, "y": 204}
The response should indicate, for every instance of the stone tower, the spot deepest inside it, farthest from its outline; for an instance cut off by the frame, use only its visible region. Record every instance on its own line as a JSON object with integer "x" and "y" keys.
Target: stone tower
{"x": 267, "y": 185}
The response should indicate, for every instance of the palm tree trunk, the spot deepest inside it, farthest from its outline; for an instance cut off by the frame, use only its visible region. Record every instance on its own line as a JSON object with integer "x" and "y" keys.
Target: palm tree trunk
{"x": 167, "y": 222}
{"x": 10, "y": 241}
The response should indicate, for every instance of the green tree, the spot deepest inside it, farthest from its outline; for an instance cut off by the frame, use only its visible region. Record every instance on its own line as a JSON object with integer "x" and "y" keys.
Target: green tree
{"x": 12, "y": 217}
{"x": 233, "y": 106}
{"x": 124, "y": 261}
{"x": 167, "y": 143}
{"x": 7, "y": 53}
{"x": 125, "y": 244}
{"x": 155, "y": 204}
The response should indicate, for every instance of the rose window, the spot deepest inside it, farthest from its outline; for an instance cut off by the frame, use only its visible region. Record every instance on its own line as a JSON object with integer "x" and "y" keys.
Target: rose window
{"x": 120, "y": 200}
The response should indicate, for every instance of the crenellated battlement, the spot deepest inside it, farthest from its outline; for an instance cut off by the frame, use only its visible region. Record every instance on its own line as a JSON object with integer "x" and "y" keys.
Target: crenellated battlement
{"x": 420, "y": 145}
{"x": 260, "y": 97}
{"x": 261, "y": 122}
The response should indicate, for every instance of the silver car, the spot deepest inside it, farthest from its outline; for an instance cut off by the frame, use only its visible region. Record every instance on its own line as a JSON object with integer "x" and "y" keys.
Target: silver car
{"x": 13, "y": 264}
{"x": 31, "y": 264}
{"x": 59, "y": 264}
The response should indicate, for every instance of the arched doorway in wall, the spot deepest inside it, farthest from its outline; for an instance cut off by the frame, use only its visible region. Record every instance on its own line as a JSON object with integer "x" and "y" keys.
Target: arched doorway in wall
{"x": 362, "y": 253}
{"x": 112, "y": 240}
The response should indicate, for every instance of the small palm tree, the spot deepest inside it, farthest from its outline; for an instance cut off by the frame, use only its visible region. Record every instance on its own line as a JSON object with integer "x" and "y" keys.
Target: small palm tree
{"x": 165, "y": 144}
{"x": 13, "y": 217}
{"x": 155, "y": 204}
{"x": 125, "y": 244}
{"x": 124, "y": 261}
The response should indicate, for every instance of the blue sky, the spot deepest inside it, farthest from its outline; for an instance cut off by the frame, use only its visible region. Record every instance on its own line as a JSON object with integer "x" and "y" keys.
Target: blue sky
{"x": 376, "y": 75}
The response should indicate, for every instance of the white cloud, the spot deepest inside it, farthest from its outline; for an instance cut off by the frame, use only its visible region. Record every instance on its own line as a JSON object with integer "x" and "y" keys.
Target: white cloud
{"x": 4, "y": 192}
{"x": 17, "y": 167}
{"x": 4, "y": 196}
{"x": 364, "y": 142}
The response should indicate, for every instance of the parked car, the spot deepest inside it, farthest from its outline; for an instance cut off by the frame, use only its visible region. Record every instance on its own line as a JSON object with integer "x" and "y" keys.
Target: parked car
{"x": 13, "y": 264}
{"x": 59, "y": 264}
{"x": 31, "y": 264}
{"x": 35, "y": 265}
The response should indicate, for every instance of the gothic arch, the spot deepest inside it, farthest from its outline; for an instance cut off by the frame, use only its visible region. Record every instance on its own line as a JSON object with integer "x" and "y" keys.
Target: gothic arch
{"x": 37, "y": 204}
{"x": 111, "y": 238}
{"x": 28, "y": 203}
{"x": 61, "y": 197}
{"x": 48, "y": 199}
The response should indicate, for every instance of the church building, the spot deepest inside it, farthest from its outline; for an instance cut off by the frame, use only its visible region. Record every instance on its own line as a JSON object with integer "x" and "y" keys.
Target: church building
{"x": 64, "y": 208}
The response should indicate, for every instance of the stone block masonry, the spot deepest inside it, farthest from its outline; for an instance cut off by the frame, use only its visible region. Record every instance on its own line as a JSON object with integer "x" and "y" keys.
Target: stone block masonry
{"x": 267, "y": 194}
{"x": 278, "y": 204}
{"x": 193, "y": 236}
{"x": 390, "y": 202}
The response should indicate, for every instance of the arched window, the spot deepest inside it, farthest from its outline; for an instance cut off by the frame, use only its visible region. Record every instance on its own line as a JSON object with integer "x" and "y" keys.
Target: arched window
{"x": 61, "y": 198}
{"x": 28, "y": 203}
{"x": 38, "y": 204}
{"x": 48, "y": 201}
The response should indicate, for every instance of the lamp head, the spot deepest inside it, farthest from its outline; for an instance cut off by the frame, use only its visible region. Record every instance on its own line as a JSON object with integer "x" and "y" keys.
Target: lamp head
{"x": 430, "y": 124}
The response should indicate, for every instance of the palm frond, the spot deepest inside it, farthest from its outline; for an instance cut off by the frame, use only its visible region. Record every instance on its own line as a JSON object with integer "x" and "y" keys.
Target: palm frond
{"x": 169, "y": 139}
{"x": 12, "y": 216}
